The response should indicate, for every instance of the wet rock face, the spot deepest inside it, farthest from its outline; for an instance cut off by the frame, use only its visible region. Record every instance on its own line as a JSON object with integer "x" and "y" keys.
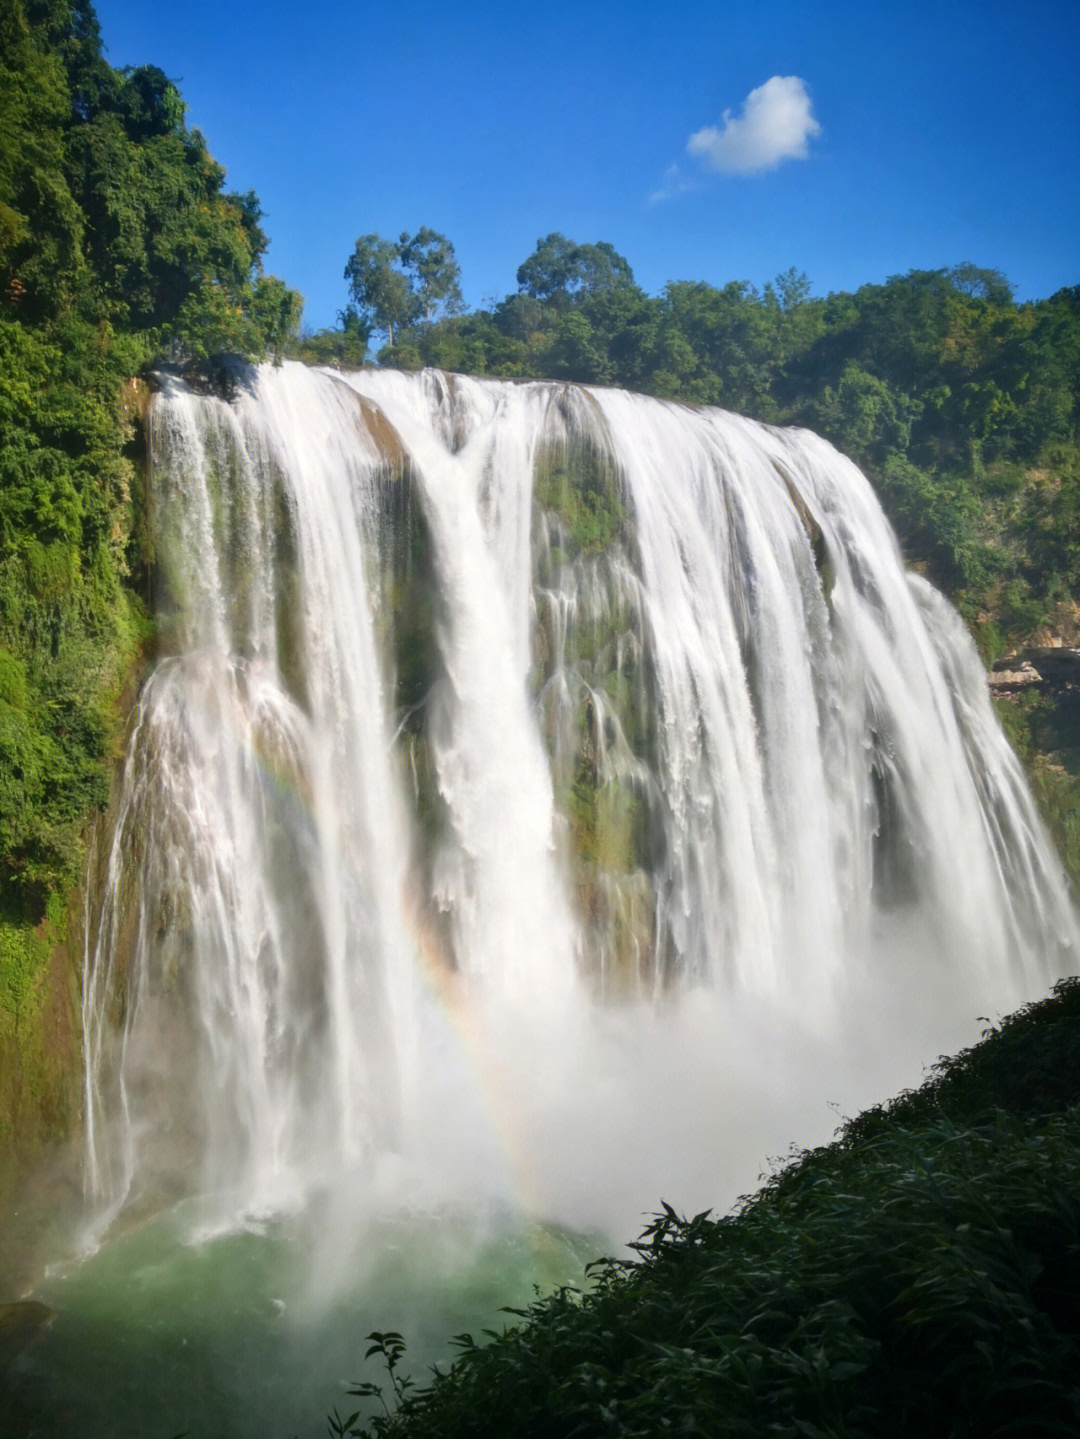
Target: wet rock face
{"x": 1051, "y": 657}
{"x": 1012, "y": 672}
{"x": 220, "y": 375}
{"x": 594, "y": 677}
{"x": 40, "y": 1072}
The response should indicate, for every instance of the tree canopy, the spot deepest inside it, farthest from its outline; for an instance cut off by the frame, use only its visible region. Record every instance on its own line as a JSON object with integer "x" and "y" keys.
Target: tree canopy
{"x": 395, "y": 284}
{"x": 119, "y": 243}
{"x": 560, "y": 272}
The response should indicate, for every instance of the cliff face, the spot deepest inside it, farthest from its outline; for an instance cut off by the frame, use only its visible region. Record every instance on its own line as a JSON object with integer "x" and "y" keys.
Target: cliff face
{"x": 41, "y": 1086}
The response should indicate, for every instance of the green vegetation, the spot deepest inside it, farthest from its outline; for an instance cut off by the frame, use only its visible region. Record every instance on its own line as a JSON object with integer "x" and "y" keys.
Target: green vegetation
{"x": 581, "y": 487}
{"x": 918, "y": 1276}
{"x": 118, "y": 245}
{"x": 411, "y": 614}
{"x": 1045, "y": 732}
{"x": 598, "y": 703}
{"x": 392, "y": 286}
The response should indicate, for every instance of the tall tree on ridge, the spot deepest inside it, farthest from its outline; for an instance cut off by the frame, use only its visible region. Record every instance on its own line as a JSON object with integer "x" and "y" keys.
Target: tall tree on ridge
{"x": 381, "y": 293}
{"x": 429, "y": 259}
{"x": 560, "y": 271}
{"x": 394, "y": 285}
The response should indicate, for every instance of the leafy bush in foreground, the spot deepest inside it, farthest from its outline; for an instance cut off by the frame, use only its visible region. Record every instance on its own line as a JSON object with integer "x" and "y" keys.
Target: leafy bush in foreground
{"x": 919, "y": 1276}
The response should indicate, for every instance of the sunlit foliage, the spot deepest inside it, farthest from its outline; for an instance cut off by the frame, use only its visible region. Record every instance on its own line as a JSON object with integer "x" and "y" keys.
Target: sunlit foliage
{"x": 118, "y": 244}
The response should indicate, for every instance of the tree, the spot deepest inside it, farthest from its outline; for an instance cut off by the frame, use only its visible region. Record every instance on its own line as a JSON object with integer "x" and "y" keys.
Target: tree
{"x": 982, "y": 284}
{"x": 574, "y": 353}
{"x": 544, "y": 274}
{"x": 729, "y": 334}
{"x": 150, "y": 103}
{"x": 380, "y": 292}
{"x": 519, "y": 316}
{"x": 792, "y": 288}
{"x": 394, "y": 285}
{"x": 561, "y": 272}
{"x": 867, "y": 417}
{"x": 41, "y": 227}
{"x": 429, "y": 261}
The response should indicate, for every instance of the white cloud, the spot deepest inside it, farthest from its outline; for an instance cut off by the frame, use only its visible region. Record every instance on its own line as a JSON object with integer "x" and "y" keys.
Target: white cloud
{"x": 775, "y": 125}
{"x": 674, "y": 183}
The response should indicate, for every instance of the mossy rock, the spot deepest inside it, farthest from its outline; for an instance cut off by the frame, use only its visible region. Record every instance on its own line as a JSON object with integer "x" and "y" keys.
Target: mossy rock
{"x": 414, "y": 611}
{"x": 823, "y": 560}
{"x": 579, "y": 486}
{"x": 410, "y": 619}
{"x": 595, "y": 680}
{"x": 619, "y": 915}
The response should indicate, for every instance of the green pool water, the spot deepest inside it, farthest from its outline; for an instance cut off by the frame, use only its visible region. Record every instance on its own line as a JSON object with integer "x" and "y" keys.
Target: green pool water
{"x": 260, "y": 1332}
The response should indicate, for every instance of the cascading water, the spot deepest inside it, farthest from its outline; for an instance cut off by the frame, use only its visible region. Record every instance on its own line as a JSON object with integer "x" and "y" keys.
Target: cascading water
{"x": 535, "y": 706}
{"x": 546, "y": 802}
{"x": 257, "y": 855}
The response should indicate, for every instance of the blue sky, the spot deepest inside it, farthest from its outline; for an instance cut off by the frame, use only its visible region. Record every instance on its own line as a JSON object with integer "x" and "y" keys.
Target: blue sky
{"x": 849, "y": 140}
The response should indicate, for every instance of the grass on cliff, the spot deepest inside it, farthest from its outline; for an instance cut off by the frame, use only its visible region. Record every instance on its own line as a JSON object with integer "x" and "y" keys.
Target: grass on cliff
{"x": 919, "y": 1276}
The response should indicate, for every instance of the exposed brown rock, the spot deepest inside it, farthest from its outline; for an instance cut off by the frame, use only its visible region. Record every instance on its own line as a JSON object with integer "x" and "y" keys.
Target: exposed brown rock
{"x": 376, "y": 427}
{"x": 1019, "y": 675}
{"x": 1061, "y": 629}
{"x": 1053, "y": 664}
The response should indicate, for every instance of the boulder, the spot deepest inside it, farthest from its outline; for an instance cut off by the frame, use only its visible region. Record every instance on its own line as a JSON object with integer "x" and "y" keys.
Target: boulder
{"x": 1035, "y": 665}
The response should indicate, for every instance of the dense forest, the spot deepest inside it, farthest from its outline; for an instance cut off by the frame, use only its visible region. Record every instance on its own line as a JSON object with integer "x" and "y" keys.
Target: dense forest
{"x": 121, "y": 248}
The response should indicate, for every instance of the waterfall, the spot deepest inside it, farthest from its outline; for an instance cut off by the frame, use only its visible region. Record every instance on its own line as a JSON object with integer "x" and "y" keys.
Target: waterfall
{"x": 541, "y": 715}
